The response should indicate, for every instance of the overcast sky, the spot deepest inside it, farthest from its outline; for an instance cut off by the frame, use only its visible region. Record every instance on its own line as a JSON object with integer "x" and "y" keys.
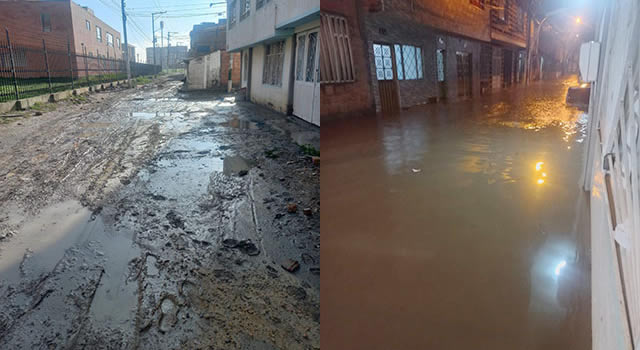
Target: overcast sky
{"x": 180, "y": 17}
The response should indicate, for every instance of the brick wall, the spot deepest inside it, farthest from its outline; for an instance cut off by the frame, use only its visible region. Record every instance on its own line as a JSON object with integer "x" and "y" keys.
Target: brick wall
{"x": 82, "y": 35}
{"x": 421, "y": 23}
{"x": 22, "y": 18}
{"x": 355, "y": 97}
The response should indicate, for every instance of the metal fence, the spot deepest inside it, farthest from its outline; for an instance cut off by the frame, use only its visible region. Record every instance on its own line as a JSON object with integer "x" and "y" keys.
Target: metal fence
{"x": 27, "y": 71}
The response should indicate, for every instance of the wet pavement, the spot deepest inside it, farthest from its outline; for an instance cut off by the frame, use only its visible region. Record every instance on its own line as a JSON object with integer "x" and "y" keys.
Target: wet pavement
{"x": 458, "y": 226}
{"x": 156, "y": 219}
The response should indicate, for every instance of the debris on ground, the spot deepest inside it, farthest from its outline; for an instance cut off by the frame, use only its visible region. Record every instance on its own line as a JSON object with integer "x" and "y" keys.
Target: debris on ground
{"x": 291, "y": 265}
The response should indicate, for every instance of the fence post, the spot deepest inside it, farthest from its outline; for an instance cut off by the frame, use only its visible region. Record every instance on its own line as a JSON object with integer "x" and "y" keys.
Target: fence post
{"x": 46, "y": 62}
{"x": 70, "y": 66}
{"x": 13, "y": 65}
{"x": 86, "y": 68}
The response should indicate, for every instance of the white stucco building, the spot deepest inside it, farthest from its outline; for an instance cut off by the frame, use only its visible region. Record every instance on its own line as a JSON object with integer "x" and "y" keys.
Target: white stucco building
{"x": 280, "y": 42}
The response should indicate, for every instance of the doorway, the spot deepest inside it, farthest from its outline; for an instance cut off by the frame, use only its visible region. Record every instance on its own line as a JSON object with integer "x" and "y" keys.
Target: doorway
{"x": 463, "y": 60}
{"x": 507, "y": 66}
{"x": 385, "y": 73}
{"x": 306, "y": 95}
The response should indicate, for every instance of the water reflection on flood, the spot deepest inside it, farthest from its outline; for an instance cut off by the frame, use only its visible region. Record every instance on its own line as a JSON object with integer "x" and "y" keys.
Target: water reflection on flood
{"x": 457, "y": 226}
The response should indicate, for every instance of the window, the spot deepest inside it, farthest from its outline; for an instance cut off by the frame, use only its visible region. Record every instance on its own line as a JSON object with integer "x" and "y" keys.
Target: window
{"x": 245, "y": 9}
{"x": 311, "y": 57}
{"x": 337, "y": 58}
{"x": 408, "y": 62}
{"x": 109, "y": 39}
{"x": 260, "y": 3}
{"x": 273, "y": 62}
{"x": 232, "y": 13}
{"x": 99, "y": 34}
{"x": 300, "y": 57}
{"x": 384, "y": 65}
{"x": 46, "y": 22}
{"x": 499, "y": 9}
{"x": 440, "y": 64}
{"x": 479, "y": 3}
{"x": 118, "y": 42}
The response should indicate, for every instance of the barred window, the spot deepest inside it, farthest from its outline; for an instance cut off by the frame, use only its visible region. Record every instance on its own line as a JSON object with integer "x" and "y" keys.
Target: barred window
{"x": 336, "y": 58}
{"x": 311, "y": 57}
{"x": 273, "y": 62}
{"x": 260, "y": 3}
{"x": 300, "y": 57}
{"x": 384, "y": 64}
{"x": 408, "y": 62}
{"x": 245, "y": 9}
{"x": 231, "y": 13}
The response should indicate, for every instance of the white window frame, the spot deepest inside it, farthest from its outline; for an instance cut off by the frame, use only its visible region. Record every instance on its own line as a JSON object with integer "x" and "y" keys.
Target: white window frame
{"x": 98, "y": 33}
{"x": 245, "y": 9}
{"x": 87, "y": 24}
{"x": 404, "y": 60}
{"x": 336, "y": 57}
{"x": 273, "y": 63}
{"x": 109, "y": 39}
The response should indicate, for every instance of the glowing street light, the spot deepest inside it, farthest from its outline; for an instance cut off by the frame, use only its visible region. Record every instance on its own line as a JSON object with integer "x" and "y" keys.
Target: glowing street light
{"x": 578, "y": 20}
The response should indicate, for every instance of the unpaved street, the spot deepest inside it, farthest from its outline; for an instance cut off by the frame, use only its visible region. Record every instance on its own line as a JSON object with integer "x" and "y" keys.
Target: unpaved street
{"x": 157, "y": 219}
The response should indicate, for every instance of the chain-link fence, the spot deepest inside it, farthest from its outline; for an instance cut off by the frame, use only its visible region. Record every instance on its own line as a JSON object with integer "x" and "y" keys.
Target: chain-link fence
{"x": 27, "y": 71}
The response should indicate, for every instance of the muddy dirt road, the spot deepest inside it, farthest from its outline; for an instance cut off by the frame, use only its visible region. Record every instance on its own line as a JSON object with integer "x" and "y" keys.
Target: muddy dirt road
{"x": 155, "y": 219}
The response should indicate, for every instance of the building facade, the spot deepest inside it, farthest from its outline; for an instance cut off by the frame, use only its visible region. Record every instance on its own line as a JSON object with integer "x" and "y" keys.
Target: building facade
{"x": 212, "y": 71}
{"x": 59, "y": 23}
{"x": 280, "y": 42}
{"x": 208, "y": 37}
{"x": 418, "y": 52}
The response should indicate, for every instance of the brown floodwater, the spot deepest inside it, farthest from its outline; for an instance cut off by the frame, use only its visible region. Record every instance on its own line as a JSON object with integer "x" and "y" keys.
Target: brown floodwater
{"x": 457, "y": 226}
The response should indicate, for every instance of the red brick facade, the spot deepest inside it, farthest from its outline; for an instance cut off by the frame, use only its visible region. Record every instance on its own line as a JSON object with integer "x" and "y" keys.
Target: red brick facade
{"x": 68, "y": 24}
{"x": 348, "y": 98}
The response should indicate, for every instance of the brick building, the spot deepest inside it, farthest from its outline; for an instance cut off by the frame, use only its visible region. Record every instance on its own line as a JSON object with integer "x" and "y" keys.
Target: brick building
{"x": 208, "y": 37}
{"x": 418, "y": 51}
{"x": 64, "y": 26}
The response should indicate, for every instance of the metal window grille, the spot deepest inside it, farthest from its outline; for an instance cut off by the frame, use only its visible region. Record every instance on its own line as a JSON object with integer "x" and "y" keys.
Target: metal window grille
{"x": 245, "y": 9}
{"x": 336, "y": 58}
{"x": 440, "y": 64}
{"x": 300, "y": 57}
{"x": 384, "y": 65}
{"x": 232, "y": 13}
{"x": 311, "y": 56}
{"x": 274, "y": 60}
{"x": 399, "y": 69}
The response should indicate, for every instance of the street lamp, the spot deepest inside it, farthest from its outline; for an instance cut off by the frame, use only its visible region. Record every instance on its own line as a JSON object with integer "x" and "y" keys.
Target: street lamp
{"x": 578, "y": 20}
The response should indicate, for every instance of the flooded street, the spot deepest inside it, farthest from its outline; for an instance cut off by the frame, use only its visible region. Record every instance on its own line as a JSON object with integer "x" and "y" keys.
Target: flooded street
{"x": 158, "y": 219}
{"x": 458, "y": 226}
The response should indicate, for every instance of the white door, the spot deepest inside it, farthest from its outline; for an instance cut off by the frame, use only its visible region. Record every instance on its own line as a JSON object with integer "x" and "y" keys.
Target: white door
{"x": 306, "y": 92}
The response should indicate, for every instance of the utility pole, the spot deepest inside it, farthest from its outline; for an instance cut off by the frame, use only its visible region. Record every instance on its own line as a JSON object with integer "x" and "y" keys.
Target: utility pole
{"x": 126, "y": 43}
{"x": 161, "y": 41}
{"x": 153, "y": 29}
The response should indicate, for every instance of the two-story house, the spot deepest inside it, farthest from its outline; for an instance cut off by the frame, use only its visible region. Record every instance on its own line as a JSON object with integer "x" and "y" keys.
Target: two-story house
{"x": 280, "y": 43}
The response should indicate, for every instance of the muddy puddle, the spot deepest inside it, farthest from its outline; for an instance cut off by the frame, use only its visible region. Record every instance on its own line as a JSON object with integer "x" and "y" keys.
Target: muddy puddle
{"x": 69, "y": 234}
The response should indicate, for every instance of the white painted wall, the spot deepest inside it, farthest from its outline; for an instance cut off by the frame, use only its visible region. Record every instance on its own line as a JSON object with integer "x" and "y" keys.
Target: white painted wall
{"x": 275, "y": 97}
{"x": 204, "y": 72}
{"x": 261, "y": 24}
